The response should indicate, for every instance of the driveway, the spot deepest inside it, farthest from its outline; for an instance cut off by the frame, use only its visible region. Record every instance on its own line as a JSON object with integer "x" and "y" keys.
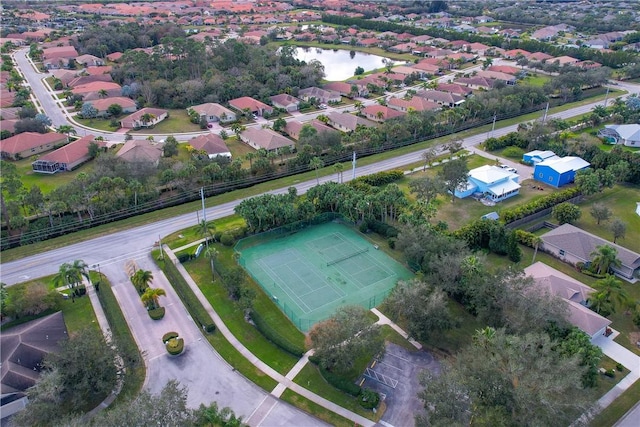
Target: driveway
{"x": 200, "y": 368}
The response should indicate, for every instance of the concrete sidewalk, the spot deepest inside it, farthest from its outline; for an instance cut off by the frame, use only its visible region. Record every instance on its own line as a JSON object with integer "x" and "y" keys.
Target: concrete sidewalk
{"x": 283, "y": 381}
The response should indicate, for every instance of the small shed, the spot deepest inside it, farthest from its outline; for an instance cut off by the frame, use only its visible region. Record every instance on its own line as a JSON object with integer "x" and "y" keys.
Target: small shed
{"x": 491, "y": 215}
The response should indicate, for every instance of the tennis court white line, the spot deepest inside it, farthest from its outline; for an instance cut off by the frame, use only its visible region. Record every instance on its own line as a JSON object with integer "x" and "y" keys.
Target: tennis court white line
{"x": 276, "y": 277}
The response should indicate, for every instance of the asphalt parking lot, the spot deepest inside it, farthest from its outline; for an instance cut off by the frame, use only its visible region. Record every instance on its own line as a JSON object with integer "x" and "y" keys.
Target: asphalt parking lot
{"x": 397, "y": 377}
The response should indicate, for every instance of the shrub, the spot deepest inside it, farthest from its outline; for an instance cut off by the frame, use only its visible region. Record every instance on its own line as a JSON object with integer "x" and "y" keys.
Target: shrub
{"x": 156, "y": 313}
{"x": 383, "y": 229}
{"x": 526, "y": 238}
{"x": 227, "y": 239}
{"x": 513, "y": 152}
{"x": 610, "y": 373}
{"x": 166, "y": 337}
{"x": 275, "y": 337}
{"x": 337, "y": 381}
{"x": 368, "y": 398}
{"x": 378, "y": 179}
{"x": 175, "y": 346}
{"x": 619, "y": 367}
{"x": 592, "y": 274}
{"x": 509, "y": 215}
{"x": 391, "y": 243}
{"x": 184, "y": 257}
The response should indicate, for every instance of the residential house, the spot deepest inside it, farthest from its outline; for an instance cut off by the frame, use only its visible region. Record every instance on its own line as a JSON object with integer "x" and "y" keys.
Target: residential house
{"x": 140, "y": 151}
{"x": 322, "y": 96}
{"x": 75, "y": 81}
{"x": 478, "y": 48}
{"x": 22, "y": 351}
{"x": 27, "y": 144}
{"x": 564, "y": 60}
{"x": 416, "y": 103}
{"x": 212, "y": 144}
{"x": 89, "y": 60}
{"x": 213, "y": 112}
{"x": 65, "y": 158}
{"x": 406, "y": 70}
{"x": 558, "y": 171}
{"x": 97, "y": 89}
{"x": 492, "y": 182}
{"x": 346, "y": 122}
{"x": 428, "y": 68}
{"x": 455, "y": 88}
{"x": 548, "y": 280}
{"x": 628, "y": 135}
{"x": 368, "y": 42}
{"x": 403, "y": 47}
{"x": 102, "y": 105}
{"x": 506, "y": 69}
{"x": 515, "y": 53}
{"x": 115, "y": 56}
{"x": 572, "y": 244}
{"x": 443, "y": 98}
{"x": 265, "y": 138}
{"x": 286, "y": 102}
{"x": 349, "y": 90}
{"x": 144, "y": 118}
{"x": 58, "y": 57}
{"x": 536, "y": 156}
{"x": 100, "y": 70}
{"x": 424, "y": 39}
{"x": 539, "y": 57}
{"x": 508, "y": 79}
{"x": 294, "y": 127}
{"x": 381, "y": 113}
{"x": 246, "y": 103}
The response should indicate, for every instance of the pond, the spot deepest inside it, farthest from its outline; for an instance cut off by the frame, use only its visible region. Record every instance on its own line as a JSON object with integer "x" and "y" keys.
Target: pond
{"x": 341, "y": 64}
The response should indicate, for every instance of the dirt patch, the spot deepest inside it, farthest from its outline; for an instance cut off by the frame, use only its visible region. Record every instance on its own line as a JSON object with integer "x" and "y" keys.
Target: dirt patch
{"x": 634, "y": 337}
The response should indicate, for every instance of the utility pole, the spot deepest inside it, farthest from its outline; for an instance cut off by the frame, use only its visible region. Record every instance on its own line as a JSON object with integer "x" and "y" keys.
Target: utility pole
{"x": 546, "y": 111}
{"x": 493, "y": 126}
{"x": 354, "y": 166}
{"x": 606, "y": 98}
{"x": 204, "y": 212}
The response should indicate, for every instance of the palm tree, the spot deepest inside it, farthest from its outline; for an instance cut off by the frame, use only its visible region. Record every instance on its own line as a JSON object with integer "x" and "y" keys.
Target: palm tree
{"x": 212, "y": 253}
{"x": 141, "y": 280}
{"x": 359, "y": 105}
{"x": 150, "y": 297}
{"x": 613, "y": 290}
{"x": 71, "y": 274}
{"x": 67, "y": 130}
{"x": 250, "y": 156}
{"x": 599, "y": 303}
{"x": 147, "y": 118}
{"x": 339, "y": 167}
{"x": 316, "y": 163}
{"x": 605, "y": 257}
{"x": 536, "y": 243}
{"x": 102, "y": 93}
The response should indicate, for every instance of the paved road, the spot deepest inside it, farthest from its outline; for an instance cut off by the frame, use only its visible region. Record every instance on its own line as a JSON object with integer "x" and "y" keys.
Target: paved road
{"x": 137, "y": 242}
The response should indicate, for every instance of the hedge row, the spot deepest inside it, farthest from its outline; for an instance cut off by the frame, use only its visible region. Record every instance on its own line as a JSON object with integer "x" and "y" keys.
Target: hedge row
{"x": 275, "y": 337}
{"x": 519, "y": 212}
{"x": 166, "y": 337}
{"x": 509, "y": 140}
{"x": 379, "y": 178}
{"x": 189, "y": 299}
{"x": 526, "y": 238}
{"x": 382, "y": 228}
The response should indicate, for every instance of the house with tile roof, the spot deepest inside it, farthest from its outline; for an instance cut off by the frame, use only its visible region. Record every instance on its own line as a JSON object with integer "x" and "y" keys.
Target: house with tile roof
{"x": 102, "y": 105}
{"x": 416, "y": 103}
{"x": 508, "y": 79}
{"x": 66, "y": 158}
{"x": 539, "y": 57}
{"x": 294, "y": 127}
{"x": 381, "y": 113}
{"x": 28, "y": 144}
{"x": 443, "y": 98}
{"x": 321, "y": 95}
{"x": 346, "y": 122}
{"x": 548, "y": 280}
{"x": 140, "y": 151}
{"x": 572, "y": 244}
{"x": 564, "y": 60}
{"x": 94, "y": 90}
{"x": 213, "y": 112}
{"x": 454, "y": 88}
{"x": 136, "y": 120}
{"x": 252, "y": 105}
{"x": 58, "y": 57}
{"x": 285, "y": 101}
{"x": 347, "y": 89}
{"x": 265, "y": 138}
{"x": 212, "y": 144}
{"x": 89, "y": 60}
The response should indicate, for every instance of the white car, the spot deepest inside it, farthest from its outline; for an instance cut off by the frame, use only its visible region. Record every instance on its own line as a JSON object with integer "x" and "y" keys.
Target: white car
{"x": 509, "y": 168}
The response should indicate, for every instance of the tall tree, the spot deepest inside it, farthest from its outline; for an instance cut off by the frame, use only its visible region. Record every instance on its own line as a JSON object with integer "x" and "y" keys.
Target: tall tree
{"x": 141, "y": 279}
{"x": 71, "y": 274}
{"x": 618, "y": 228}
{"x": 600, "y": 212}
{"x": 604, "y": 257}
{"x": 454, "y": 173}
{"x": 504, "y": 380}
{"x": 151, "y": 297}
{"x": 316, "y": 163}
{"x": 347, "y": 335}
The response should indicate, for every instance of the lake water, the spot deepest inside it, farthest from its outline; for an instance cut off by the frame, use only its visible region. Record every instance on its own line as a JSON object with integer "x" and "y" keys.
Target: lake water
{"x": 340, "y": 64}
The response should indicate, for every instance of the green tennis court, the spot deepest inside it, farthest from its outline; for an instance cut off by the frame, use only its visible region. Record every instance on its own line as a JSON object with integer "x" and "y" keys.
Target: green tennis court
{"x": 315, "y": 270}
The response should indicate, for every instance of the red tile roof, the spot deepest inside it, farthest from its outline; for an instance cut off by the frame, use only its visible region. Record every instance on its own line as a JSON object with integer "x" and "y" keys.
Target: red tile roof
{"x": 27, "y": 140}
{"x": 72, "y": 152}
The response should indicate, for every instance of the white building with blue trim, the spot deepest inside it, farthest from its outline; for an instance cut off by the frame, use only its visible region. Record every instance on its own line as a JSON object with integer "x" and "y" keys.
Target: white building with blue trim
{"x": 491, "y": 182}
{"x": 537, "y": 156}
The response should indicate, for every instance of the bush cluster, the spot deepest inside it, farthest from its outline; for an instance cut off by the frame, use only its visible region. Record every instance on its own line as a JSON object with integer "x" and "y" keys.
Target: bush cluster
{"x": 537, "y": 205}
{"x": 382, "y": 228}
{"x": 166, "y": 337}
{"x": 512, "y": 139}
{"x": 230, "y": 237}
{"x": 156, "y": 313}
{"x": 526, "y": 238}
{"x": 175, "y": 346}
{"x": 275, "y": 337}
{"x": 379, "y": 178}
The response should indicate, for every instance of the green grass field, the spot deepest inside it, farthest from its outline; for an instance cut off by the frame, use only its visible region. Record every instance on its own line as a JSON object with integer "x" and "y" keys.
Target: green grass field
{"x": 177, "y": 122}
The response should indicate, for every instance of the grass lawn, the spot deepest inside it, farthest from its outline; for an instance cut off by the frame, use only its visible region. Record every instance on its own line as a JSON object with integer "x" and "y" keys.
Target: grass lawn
{"x": 537, "y": 80}
{"x": 177, "y": 122}
{"x": 99, "y": 123}
{"x": 239, "y": 149}
{"x": 621, "y": 199}
{"x": 606, "y": 383}
{"x": 314, "y": 409}
{"x": 233, "y": 315}
{"x": 47, "y": 182}
{"x": 135, "y": 373}
{"x": 618, "y": 407}
{"x": 609, "y": 147}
